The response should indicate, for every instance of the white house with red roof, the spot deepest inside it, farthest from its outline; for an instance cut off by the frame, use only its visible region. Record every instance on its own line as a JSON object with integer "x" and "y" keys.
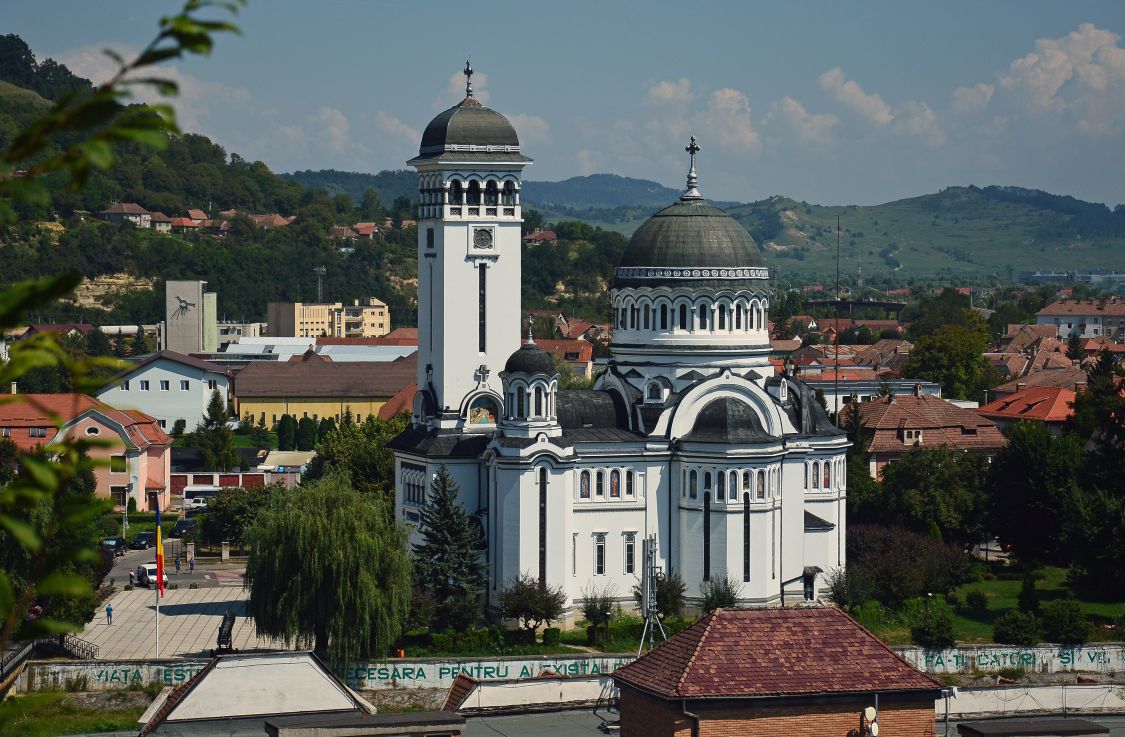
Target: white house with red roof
{"x": 168, "y": 386}
{"x": 129, "y": 212}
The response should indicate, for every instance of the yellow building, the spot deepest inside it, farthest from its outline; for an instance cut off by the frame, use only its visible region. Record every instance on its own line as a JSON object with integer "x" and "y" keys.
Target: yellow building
{"x": 365, "y": 318}
{"x": 313, "y": 385}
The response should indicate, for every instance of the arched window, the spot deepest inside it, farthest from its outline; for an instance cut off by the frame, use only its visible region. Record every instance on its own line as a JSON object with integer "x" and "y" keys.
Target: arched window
{"x": 721, "y": 490}
{"x": 683, "y": 317}
{"x": 827, "y": 475}
{"x": 703, "y": 317}
{"x": 646, "y": 317}
{"x": 693, "y": 484}
{"x": 706, "y": 536}
{"x": 816, "y": 474}
{"x": 761, "y": 484}
{"x": 623, "y": 318}
{"x": 706, "y": 481}
{"x": 538, "y": 401}
{"x": 654, "y": 393}
{"x": 615, "y": 484}
{"x": 509, "y": 194}
{"x": 491, "y": 194}
{"x": 747, "y": 482}
{"x": 663, "y": 317}
{"x": 629, "y": 483}
{"x": 738, "y": 317}
{"x": 456, "y": 193}
{"x": 521, "y": 398}
{"x": 633, "y": 317}
{"x": 600, "y": 488}
{"x": 722, "y": 317}
{"x": 806, "y": 477}
{"x": 584, "y": 485}
{"x": 732, "y": 490}
{"x": 745, "y": 537}
{"x": 474, "y": 192}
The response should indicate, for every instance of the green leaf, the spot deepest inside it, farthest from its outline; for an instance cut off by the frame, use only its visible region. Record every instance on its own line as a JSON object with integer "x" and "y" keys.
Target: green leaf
{"x": 24, "y": 533}
{"x": 99, "y": 153}
{"x": 7, "y": 594}
{"x": 62, "y": 584}
{"x": 151, "y": 137}
{"x": 22, "y": 297}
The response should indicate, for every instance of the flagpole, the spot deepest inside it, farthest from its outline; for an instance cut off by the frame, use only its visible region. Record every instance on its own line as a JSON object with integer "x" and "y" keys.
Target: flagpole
{"x": 157, "y": 588}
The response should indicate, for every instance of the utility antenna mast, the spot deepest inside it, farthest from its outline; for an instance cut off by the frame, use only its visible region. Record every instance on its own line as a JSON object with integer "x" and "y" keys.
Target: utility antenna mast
{"x": 320, "y": 271}
{"x": 650, "y": 574}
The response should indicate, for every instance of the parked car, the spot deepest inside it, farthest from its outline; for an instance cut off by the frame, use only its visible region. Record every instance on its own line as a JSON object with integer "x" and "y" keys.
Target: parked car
{"x": 143, "y": 541}
{"x": 116, "y": 545}
{"x": 184, "y": 527}
{"x": 146, "y": 575}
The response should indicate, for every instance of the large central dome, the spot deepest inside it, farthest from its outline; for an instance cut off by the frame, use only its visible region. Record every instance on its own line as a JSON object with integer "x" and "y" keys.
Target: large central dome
{"x": 689, "y": 242}
{"x": 468, "y": 123}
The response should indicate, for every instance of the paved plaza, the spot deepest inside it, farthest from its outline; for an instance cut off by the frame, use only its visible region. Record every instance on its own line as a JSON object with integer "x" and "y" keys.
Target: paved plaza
{"x": 189, "y": 624}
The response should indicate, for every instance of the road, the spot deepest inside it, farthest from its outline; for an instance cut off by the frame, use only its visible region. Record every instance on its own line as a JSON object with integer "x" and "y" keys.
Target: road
{"x": 207, "y": 574}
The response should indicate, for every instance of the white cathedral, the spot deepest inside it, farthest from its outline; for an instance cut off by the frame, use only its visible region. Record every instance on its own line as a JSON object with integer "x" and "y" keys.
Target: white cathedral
{"x": 689, "y": 434}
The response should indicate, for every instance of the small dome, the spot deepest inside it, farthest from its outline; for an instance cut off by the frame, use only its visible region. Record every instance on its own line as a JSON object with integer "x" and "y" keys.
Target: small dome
{"x": 728, "y": 420}
{"x": 468, "y": 123}
{"x": 689, "y": 241}
{"x": 530, "y": 359}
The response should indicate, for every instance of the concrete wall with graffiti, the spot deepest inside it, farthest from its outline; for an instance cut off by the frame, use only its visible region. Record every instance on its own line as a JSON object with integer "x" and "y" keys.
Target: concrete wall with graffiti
{"x": 105, "y": 675}
{"x": 1039, "y": 659}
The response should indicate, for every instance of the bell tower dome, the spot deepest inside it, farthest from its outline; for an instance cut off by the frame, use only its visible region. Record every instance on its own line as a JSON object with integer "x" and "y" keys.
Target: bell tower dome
{"x": 469, "y": 221}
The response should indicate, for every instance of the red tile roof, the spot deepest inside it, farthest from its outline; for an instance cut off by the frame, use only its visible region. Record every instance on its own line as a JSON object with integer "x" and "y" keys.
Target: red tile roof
{"x": 197, "y": 214}
{"x": 747, "y": 653}
{"x": 576, "y": 327}
{"x": 542, "y": 236}
{"x": 1080, "y": 307}
{"x": 399, "y": 403}
{"x": 184, "y": 223}
{"x": 312, "y": 376}
{"x": 42, "y": 410}
{"x": 62, "y": 328}
{"x": 943, "y": 423}
{"x": 125, "y": 208}
{"x": 568, "y": 350}
{"x": 1043, "y": 403}
{"x": 1067, "y": 377}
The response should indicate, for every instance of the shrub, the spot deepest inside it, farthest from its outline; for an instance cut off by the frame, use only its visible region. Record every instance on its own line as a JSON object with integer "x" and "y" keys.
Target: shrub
{"x": 953, "y": 600}
{"x": 721, "y": 593}
{"x": 1064, "y": 622}
{"x": 669, "y": 594}
{"x": 193, "y": 585}
{"x": 932, "y": 627}
{"x": 976, "y": 601}
{"x": 552, "y": 636}
{"x": 531, "y": 602}
{"x": 892, "y": 564}
{"x": 598, "y": 608}
{"x": 1029, "y": 597}
{"x": 131, "y": 505}
{"x": 178, "y": 427}
{"x": 109, "y": 725}
{"x": 1016, "y": 628}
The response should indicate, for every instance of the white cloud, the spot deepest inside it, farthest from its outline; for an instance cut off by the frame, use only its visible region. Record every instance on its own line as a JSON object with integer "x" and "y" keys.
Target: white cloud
{"x": 589, "y": 162}
{"x": 968, "y": 100}
{"x": 455, "y": 90}
{"x": 918, "y": 119}
{"x": 666, "y": 92}
{"x": 847, "y": 92}
{"x": 809, "y": 127}
{"x": 332, "y": 125}
{"x": 727, "y": 119}
{"x": 1088, "y": 57}
{"x": 393, "y": 126}
{"x": 531, "y": 129}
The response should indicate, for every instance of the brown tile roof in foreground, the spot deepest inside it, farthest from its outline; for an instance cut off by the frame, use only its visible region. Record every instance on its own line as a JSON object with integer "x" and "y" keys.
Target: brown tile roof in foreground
{"x": 748, "y": 653}
{"x": 319, "y": 378}
{"x": 944, "y": 424}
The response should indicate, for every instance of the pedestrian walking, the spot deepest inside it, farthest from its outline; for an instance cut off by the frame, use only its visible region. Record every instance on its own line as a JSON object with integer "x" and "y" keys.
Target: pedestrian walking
{"x": 191, "y": 565}
{"x": 132, "y": 578}
{"x": 109, "y": 613}
{"x": 177, "y": 564}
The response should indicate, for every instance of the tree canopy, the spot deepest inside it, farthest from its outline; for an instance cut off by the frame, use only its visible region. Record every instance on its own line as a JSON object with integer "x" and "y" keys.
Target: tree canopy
{"x": 329, "y": 567}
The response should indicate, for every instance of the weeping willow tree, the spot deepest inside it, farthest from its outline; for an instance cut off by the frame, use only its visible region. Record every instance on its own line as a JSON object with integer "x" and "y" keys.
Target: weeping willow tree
{"x": 329, "y": 568}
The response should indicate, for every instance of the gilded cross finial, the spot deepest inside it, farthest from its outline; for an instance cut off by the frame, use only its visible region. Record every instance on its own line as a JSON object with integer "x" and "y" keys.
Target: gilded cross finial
{"x": 692, "y": 192}
{"x": 468, "y": 72}
{"x": 530, "y": 323}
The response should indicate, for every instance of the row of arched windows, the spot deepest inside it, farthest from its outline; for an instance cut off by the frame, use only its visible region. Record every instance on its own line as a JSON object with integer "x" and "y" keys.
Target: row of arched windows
{"x": 601, "y": 484}
{"x": 534, "y": 401}
{"x": 725, "y": 485}
{"x": 684, "y": 314}
{"x": 826, "y": 475}
{"x": 434, "y": 193}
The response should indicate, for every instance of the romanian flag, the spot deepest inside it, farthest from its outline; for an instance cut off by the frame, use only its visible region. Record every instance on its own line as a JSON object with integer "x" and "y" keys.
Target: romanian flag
{"x": 159, "y": 553}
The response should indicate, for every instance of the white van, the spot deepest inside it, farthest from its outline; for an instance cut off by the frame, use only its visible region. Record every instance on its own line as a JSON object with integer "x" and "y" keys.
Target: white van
{"x": 196, "y": 497}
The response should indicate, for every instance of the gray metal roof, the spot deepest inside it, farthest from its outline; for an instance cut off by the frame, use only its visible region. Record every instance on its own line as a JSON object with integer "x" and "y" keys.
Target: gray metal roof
{"x": 728, "y": 420}
{"x": 530, "y": 359}
{"x": 468, "y": 123}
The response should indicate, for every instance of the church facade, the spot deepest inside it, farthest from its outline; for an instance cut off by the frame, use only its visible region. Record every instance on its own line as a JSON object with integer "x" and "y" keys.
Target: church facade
{"x": 689, "y": 436}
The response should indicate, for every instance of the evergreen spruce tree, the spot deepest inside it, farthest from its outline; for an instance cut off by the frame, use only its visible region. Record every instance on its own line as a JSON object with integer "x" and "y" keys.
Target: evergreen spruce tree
{"x": 447, "y": 562}
{"x": 119, "y": 345}
{"x": 1074, "y": 347}
{"x": 287, "y": 433}
{"x": 141, "y": 346}
{"x": 213, "y": 438}
{"x": 306, "y": 434}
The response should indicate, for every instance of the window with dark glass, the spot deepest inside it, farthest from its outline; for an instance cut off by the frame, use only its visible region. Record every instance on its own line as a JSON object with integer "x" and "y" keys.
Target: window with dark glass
{"x": 706, "y": 536}
{"x": 703, "y": 317}
{"x": 628, "y": 483}
{"x": 663, "y": 317}
{"x": 429, "y": 237}
{"x": 683, "y": 317}
{"x": 599, "y": 554}
{"x": 630, "y": 552}
{"x": 600, "y": 491}
{"x": 693, "y": 484}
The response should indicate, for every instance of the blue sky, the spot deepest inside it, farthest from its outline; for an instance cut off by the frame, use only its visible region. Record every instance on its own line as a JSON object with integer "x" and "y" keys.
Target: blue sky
{"x": 827, "y": 102}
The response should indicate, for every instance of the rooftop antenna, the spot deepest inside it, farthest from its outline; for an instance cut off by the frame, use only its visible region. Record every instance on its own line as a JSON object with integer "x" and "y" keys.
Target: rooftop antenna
{"x": 320, "y": 271}
{"x": 692, "y": 192}
{"x": 650, "y": 575}
{"x": 468, "y": 72}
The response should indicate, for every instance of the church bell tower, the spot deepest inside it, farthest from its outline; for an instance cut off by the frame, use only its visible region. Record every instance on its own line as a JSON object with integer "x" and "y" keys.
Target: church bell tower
{"x": 469, "y": 237}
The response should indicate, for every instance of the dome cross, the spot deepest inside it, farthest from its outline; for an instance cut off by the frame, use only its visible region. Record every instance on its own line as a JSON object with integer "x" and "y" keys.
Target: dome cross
{"x": 468, "y": 72}
{"x": 692, "y": 192}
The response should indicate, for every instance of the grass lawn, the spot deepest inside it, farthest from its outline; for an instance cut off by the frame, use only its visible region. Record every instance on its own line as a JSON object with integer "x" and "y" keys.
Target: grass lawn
{"x": 1002, "y": 596}
{"x": 56, "y": 713}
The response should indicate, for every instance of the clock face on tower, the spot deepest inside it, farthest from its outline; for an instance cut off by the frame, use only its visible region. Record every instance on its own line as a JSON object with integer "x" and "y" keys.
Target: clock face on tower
{"x": 482, "y": 238}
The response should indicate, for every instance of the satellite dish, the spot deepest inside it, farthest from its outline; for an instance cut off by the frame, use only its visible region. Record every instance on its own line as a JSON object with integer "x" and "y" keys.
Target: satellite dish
{"x": 874, "y": 729}
{"x": 869, "y": 713}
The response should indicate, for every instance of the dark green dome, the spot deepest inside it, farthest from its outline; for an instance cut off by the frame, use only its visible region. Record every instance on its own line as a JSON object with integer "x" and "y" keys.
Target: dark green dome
{"x": 468, "y": 123}
{"x": 689, "y": 243}
{"x": 530, "y": 359}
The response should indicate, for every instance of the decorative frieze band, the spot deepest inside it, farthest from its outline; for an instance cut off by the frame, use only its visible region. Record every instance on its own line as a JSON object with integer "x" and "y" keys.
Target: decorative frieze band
{"x": 658, "y": 272}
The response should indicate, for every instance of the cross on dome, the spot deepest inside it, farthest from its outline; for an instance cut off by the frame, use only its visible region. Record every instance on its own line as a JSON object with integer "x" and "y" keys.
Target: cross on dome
{"x": 468, "y": 72}
{"x": 692, "y": 192}
{"x": 530, "y": 323}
